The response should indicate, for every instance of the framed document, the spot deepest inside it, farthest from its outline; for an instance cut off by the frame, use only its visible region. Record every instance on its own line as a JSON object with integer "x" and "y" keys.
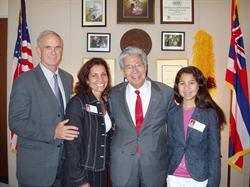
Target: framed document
{"x": 177, "y": 12}
{"x": 93, "y": 13}
{"x": 166, "y": 70}
{"x": 111, "y": 64}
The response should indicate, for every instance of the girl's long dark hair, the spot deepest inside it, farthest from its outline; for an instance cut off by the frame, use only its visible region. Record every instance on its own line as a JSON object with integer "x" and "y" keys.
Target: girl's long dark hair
{"x": 203, "y": 99}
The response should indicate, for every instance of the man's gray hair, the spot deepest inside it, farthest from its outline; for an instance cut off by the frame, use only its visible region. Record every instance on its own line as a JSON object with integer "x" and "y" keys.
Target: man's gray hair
{"x": 131, "y": 50}
{"x": 45, "y": 33}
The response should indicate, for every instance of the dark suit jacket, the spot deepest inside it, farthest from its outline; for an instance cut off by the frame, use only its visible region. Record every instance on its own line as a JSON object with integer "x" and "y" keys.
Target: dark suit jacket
{"x": 202, "y": 149}
{"x": 33, "y": 116}
{"x": 151, "y": 138}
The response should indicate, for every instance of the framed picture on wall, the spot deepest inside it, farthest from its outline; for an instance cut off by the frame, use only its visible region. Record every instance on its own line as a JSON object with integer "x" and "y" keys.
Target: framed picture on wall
{"x": 111, "y": 63}
{"x": 94, "y": 13}
{"x": 135, "y": 11}
{"x": 177, "y": 12}
{"x": 166, "y": 70}
{"x": 172, "y": 41}
{"x": 98, "y": 42}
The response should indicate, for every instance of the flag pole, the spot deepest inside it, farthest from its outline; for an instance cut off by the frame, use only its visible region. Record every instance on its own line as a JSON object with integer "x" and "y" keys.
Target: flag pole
{"x": 22, "y": 59}
{"x": 228, "y": 166}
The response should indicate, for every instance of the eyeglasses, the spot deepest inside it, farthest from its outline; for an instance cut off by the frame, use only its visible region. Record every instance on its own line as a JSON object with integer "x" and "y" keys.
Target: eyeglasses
{"x": 138, "y": 66}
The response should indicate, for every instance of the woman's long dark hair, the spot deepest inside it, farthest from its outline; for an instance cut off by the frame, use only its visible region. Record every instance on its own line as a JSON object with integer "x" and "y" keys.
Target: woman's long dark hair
{"x": 83, "y": 75}
{"x": 203, "y": 99}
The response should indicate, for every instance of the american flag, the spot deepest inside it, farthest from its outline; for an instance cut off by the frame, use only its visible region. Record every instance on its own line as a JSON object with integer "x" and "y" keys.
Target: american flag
{"x": 22, "y": 60}
{"x": 236, "y": 80}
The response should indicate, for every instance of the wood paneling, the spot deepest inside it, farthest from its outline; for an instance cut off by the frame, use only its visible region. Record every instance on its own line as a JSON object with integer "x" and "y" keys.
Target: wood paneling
{"x": 3, "y": 97}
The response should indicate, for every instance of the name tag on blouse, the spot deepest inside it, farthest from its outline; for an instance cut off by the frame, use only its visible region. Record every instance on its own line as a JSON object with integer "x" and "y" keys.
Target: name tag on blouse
{"x": 196, "y": 125}
{"x": 91, "y": 108}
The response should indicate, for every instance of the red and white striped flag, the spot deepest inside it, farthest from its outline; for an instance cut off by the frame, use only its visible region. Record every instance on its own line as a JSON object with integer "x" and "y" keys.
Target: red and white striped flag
{"x": 236, "y": 80}
{"x": 22, "y": 60}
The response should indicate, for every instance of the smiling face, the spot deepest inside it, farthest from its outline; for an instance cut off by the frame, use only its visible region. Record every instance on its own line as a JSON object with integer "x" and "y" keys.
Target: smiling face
{"x": 50, "y": 51}
{"x": 97, "y": 80}
{"x": 188, "y": 87}
{"x": 136, "y": 75}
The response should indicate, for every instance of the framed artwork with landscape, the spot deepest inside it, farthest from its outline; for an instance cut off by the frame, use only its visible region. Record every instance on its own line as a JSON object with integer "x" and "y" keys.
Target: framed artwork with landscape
{"x": 93, "y": 13}
{"x": 135, "y": 11}
{"x": 172, "y": 41}
{"x": 98, "y": 42}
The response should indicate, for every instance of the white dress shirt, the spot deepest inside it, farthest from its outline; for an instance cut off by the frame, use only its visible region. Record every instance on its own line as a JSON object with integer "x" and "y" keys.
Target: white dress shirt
{"x": 131, "y": 96}
{"x": 49, "y": 76}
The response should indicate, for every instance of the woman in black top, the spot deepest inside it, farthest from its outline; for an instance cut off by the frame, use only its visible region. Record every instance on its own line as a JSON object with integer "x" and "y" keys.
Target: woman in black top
{"x": 86, "y": 157}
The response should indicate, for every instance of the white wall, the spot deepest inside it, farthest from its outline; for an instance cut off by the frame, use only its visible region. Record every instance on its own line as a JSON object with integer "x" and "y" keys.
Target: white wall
{"x": 64, "y": 17}
{"x": 3, "y": 8}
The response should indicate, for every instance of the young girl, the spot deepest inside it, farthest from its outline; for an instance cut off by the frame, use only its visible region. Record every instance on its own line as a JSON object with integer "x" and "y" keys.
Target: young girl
{"x": 193, "y": 133}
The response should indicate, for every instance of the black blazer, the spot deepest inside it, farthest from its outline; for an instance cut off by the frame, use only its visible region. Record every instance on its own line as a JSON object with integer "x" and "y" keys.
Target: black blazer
{"x": 202, "y": 149}
{"x": 90, "y": 150}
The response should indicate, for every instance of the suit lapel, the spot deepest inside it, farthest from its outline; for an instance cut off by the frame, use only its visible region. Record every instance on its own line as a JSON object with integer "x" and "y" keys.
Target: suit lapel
{"x": 45, "y": 87}
{"x": 153, "y": 103}
{"x": 195, "y": 116}
{"x": 124, "y": 107}
{"x": 178, "y": 124}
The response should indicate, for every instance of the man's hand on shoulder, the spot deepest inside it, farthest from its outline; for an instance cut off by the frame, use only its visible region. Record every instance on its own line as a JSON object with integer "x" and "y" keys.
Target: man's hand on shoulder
{"x": 66, "y": 132}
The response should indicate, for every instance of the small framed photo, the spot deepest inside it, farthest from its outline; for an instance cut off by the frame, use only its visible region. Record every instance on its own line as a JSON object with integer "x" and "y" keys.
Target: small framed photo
{"x": 166, "y": 70}
{"x": 98, "y": 42}
{"x": 94, "y": 13}
{"x": 111, "y": 63}
{"x": 172, "y": 41}
{"x": 135, "y": 11}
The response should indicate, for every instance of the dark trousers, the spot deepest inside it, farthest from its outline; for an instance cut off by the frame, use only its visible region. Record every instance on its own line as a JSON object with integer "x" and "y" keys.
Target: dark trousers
{"x": 95, "y": 179}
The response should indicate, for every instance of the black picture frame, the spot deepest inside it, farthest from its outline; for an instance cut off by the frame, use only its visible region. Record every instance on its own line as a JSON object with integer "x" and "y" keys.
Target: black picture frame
{"x": 172, "y": 41}
{"x": 98, "y": 42}
{"x": 98, "y": 16}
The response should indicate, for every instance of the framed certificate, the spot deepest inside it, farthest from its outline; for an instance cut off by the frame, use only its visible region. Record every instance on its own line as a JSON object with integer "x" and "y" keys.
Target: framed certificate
{"x": 166, "y": 70}
{"x": 177, "y": 12}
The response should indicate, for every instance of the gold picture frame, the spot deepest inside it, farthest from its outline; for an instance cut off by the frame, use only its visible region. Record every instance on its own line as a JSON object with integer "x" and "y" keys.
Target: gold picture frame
{"x": 112, "y": 65}
{"x": 166, "y": 70}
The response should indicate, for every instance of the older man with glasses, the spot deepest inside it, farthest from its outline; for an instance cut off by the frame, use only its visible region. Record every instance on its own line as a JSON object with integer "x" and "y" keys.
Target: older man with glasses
{"x": 139, "y": 153}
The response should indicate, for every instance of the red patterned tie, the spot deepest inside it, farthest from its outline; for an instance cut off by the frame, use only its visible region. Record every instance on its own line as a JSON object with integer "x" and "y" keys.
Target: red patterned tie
{"x": 138, "y": 114}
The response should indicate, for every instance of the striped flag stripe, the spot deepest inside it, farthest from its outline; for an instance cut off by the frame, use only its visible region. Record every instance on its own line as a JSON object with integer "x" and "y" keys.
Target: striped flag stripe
{"x": 236, "y": 80}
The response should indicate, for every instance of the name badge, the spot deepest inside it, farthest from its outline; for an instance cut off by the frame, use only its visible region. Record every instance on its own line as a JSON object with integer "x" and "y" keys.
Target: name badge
{"x": 91, "y": 108}
{"x": 196, "y": 125}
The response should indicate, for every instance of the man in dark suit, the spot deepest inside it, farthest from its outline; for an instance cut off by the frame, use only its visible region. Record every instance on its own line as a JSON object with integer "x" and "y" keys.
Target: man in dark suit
{"x": 139, "y": 153}
{"x": 37, "y": 118}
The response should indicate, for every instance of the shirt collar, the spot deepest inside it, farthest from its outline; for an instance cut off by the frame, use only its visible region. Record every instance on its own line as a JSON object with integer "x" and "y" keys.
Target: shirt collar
{"x": 143, "y": 89}
{"x": 48, "y": 74}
